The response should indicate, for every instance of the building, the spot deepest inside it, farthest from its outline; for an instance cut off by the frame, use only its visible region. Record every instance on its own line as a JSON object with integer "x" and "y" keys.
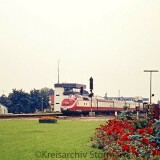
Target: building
{"x": 3, "y": 109}
{"x": 51, "y": 102}
{"x": 63, "y": 90}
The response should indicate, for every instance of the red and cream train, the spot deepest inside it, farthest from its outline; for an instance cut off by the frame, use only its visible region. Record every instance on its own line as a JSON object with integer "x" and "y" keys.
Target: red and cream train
{"x": 84, "y": 104}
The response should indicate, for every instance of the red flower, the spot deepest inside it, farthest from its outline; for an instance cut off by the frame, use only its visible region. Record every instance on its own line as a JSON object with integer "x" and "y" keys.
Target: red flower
{"x": 155, "y": 152}
{"x": 153, "y": 144}
{"x": 150, "y": 130}
{"x": 119, "y": 142}
{"x": 145, "y": 140}
{"x": 150, "y": 124}
{"x": 109, "y": 132}
{"x": 134, "y": 151}
{"x": 142, "y": 130}
{"x": 105, "y": 159}
{"x": 131, "y": 128}
{"x": 125, "y": 138}
{"x": 143, "y": 134}
{"x": 125, "y": 147}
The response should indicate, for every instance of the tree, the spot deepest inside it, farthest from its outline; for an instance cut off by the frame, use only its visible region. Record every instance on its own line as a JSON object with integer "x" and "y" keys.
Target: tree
{"x": 40, "y": 98}
{"x": 47, "y": 91}
{"x": 20, "y": 102}
{"x": 36, "y": 99}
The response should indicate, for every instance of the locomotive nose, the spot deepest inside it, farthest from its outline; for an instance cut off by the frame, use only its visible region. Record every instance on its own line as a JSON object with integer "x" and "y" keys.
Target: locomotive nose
{"x": 67, "y": 104}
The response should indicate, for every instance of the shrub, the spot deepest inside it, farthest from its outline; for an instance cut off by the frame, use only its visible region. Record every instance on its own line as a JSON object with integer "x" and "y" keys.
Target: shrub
{"x": 47, "y": 120}
{"x": 128, "y": 139}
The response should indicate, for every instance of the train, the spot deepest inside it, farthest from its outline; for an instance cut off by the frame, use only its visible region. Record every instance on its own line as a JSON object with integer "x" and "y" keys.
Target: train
{"x": 81, "y": 104}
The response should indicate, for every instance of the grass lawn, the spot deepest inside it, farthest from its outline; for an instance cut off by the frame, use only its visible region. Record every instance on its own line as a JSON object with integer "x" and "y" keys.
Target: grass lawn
{"x": 29, "y": 140}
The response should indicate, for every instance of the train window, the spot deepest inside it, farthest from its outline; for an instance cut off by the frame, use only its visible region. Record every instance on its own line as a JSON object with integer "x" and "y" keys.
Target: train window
{"x": 85, "y": 98}
{"x": 57, "y": 103}
{"x": 57, "y": 94}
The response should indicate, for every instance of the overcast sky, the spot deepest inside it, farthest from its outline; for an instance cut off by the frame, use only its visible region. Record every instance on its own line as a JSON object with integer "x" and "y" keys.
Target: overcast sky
{"x": 111, "y": 40}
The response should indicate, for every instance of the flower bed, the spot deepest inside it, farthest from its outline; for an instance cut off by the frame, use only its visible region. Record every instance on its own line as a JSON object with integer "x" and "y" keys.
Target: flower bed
{"x": 47, "y": 120}
{"x": 128, "y": 139}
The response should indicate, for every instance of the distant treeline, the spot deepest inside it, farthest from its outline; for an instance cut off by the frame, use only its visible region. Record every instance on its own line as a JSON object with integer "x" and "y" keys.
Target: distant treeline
{"x": 20, "y": 101}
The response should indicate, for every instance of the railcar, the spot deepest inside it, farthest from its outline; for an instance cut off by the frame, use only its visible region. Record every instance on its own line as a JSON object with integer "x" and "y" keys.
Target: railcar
{"x": 96, "y": 104}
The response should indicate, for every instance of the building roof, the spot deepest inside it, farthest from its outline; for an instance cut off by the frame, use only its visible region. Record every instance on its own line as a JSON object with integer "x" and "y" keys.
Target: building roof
{"x": 69, "y": 85}
{"x": 2, "y": 106}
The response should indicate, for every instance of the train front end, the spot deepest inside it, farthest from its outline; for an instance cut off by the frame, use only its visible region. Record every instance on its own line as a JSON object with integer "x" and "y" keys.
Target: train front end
{"x": 68, "y": 104}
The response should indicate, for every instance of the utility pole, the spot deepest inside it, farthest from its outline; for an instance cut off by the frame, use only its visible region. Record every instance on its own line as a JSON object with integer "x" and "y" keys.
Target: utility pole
{"x": 118, "y": 94}
{"x": 150, "y": 71}
{"x": 58, "y": 70}
{"x": 42, "y": 105}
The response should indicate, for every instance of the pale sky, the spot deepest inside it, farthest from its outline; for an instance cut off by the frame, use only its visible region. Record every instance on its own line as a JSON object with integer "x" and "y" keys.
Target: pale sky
{"x": 113, "y": 41}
